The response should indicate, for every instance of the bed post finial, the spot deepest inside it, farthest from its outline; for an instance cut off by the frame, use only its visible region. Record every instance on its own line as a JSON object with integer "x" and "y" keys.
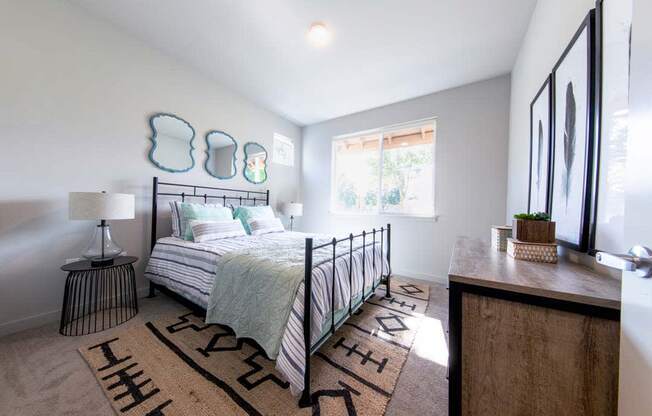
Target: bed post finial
{"x": 306, "y": 400}
{"x": 388, "y": 292}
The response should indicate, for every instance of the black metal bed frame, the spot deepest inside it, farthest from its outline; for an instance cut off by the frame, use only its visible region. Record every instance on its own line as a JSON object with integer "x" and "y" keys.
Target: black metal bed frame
{"x": 236, "y": 195}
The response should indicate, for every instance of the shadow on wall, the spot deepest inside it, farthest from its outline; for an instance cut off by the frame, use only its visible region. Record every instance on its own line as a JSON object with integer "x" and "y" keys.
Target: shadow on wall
{"x": 36, "y": 238}
{"x": 36, "y": 235}
{"x": 22, "y": 226}
{"x": 32, "y": 234}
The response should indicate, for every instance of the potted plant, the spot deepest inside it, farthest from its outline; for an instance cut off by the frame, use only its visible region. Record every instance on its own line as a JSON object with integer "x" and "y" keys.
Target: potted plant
{"x": 534, "y": 228}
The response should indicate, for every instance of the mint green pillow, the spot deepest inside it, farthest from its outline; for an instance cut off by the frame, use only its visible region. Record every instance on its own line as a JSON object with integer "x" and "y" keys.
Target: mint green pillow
{"x": 190, "y": 212}
{"x": 246, "y": 214}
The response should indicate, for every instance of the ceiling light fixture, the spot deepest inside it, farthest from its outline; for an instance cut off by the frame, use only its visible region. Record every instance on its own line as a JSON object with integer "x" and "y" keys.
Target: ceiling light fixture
{"x": 319, "y": 35}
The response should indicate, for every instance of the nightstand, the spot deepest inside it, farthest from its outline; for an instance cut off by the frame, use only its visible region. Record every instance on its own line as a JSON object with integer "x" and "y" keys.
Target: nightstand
{"x": 98, "y": 298}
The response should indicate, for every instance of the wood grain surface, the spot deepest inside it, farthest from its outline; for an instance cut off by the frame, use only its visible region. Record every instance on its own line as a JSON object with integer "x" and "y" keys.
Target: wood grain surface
{"x": 534, "y": 231}
{"x": 520, "y": 359}
{"x": 475, "y": 262}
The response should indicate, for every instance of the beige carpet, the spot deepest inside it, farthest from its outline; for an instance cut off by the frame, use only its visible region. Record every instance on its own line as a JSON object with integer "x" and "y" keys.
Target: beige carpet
{"x": 180, "y": 366}
{"x": 42, "y": 373}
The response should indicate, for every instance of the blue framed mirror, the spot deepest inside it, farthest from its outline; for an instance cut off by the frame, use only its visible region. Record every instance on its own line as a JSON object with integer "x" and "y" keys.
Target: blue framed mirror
{"x": 172, "y": 139}
{"x": 255, "y": 163}
{"x": 220, "y": 155}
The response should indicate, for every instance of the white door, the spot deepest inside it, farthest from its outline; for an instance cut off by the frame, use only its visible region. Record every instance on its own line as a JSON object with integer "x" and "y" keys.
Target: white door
{"x": 635, "y": 384}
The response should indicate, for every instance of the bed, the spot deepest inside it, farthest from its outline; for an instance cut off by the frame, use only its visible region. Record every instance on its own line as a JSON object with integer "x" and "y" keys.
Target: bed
{"x": 337, "y": 276}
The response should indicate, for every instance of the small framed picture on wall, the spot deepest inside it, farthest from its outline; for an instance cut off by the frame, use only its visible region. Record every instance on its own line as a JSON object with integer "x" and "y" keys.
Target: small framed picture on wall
{"x": 573, "y": 121}
{"x": 540, "y": 142}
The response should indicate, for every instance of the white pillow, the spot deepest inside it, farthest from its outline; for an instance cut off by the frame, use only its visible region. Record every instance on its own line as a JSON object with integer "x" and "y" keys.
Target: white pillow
{"x": 203, "y": 231}
{"x": 179, "y": 224}
{"x": 265, "y": 226}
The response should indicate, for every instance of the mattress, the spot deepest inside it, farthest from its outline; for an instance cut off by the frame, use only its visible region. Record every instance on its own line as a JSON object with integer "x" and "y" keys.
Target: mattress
{"x": 188, "y": 269}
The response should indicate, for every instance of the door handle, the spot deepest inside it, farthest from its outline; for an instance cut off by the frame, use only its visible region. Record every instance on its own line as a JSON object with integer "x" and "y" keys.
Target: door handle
{"x": 639, "y": 260}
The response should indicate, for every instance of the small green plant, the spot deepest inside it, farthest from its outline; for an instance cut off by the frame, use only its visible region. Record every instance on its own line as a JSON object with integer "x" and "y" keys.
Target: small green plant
{"x": 537, "y": 216}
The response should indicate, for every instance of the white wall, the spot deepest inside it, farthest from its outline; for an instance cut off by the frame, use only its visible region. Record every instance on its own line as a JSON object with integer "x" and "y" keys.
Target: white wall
{"x": 552, "y": 25}
{"x": 471, "y": 173}
{"x": 74, "y": 105}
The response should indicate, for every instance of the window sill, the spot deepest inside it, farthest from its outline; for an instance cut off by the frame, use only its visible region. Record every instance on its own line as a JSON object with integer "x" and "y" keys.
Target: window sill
{"x": 410, "y": 217}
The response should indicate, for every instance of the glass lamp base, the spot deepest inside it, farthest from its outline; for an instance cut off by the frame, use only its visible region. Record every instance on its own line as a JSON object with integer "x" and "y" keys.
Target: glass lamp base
{"x": 101, "y": 249}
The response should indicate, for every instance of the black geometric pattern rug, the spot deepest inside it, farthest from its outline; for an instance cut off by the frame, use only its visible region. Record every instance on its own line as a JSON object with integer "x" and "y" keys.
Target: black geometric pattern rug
{"x": 180, "y": 366}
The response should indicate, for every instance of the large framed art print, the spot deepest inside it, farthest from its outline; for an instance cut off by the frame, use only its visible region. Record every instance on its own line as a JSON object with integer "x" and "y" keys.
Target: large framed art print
{"x": 572, "y": 162}
{"x": 540, "y": 143}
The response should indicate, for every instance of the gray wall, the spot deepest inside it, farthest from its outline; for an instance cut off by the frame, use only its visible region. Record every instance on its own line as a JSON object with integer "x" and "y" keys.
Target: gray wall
{"x": 76, "y": 96}
{"x": 470, "y": 173}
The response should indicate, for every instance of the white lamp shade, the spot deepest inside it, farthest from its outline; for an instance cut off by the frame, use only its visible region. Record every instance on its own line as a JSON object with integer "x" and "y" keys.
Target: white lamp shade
{"x": 293, "y": 209}
{"x": 100, "y": 206}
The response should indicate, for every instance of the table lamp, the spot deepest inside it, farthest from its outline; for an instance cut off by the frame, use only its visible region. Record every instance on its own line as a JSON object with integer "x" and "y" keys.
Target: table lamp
{"x": 293, "y": 209}
{"x": 101, "y": 206}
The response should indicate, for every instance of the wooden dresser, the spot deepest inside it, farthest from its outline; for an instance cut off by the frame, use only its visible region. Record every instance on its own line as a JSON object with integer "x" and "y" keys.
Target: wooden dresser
{"x": 530, "y": 338}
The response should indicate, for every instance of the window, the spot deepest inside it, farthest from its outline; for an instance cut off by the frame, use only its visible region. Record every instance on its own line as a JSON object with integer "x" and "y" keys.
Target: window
{"x": 396, "y": 163}
{"x": 283, "y": 152}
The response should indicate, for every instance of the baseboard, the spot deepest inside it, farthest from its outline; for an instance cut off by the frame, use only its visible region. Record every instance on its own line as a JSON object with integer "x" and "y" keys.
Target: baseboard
{"x": 420, "y": 276}
{"x": 7, "y": 328}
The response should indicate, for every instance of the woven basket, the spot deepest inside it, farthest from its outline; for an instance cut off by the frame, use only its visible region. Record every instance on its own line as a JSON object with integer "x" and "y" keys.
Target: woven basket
{"x": 537, "y": 252}
{"x": 499, "y": 236}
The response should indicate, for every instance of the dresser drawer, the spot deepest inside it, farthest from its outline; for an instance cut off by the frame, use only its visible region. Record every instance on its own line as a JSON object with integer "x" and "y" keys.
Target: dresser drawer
{"x": 523, "y": 359}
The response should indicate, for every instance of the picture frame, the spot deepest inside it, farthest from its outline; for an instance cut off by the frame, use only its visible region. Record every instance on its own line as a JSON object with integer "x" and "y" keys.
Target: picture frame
{"x": 540, "y": 148}
{"x": 613, "y": 30}
{"x": 574, "y": 120}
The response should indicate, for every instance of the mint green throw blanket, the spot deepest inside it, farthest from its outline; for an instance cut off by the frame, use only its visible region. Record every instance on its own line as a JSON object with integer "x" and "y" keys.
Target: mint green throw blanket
{"x": 255, "y": 288}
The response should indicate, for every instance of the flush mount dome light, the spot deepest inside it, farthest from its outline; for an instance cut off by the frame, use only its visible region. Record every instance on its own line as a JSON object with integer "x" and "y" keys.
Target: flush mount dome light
{"x": 318, "y": 34}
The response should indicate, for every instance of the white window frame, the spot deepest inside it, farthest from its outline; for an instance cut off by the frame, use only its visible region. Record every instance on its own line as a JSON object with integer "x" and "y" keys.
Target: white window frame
{"x": 285, "y": 140}
{"x": 381, "y": 131}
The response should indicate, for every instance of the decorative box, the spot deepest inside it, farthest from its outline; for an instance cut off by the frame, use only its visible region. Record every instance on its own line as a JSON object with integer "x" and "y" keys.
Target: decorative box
{"x": 499, "y": 236}
{"x": 538, "y": 252}
{"x": 530, "y": 231}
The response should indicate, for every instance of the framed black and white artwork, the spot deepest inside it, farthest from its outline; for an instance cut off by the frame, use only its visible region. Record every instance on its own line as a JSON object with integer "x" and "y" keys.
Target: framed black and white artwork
{"x": 613, "y": 25}
{"x": 540, "y": 140}
{"x": 572, "y": 162}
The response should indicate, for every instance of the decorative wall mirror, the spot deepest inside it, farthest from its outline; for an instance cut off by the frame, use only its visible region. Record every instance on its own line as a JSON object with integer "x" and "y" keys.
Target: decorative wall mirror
{"x": 220, "y": 155}
{"x": 255, "y": 163}
{"x": 172, "y": 146}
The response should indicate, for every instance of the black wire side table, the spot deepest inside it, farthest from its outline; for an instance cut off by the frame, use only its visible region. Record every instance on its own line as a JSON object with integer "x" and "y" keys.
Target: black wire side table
{"x": 98, "y": 298}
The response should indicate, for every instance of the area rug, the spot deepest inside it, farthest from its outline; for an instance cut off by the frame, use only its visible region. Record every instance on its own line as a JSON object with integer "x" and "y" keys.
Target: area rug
{"x": 180, "y": 366}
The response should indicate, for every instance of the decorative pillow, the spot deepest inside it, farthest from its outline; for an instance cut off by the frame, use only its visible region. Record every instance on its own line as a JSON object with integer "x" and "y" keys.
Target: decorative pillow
{"x": 246, "y": 214}
{"x": 214, "y": 230}
{"x": 264, "y": 226}
{"x": 176, "y": 218}
{"x": 182, "y": 212}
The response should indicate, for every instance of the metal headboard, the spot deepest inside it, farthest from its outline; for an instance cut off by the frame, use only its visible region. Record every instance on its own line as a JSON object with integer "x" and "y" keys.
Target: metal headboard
{"x": 233, "y": 196}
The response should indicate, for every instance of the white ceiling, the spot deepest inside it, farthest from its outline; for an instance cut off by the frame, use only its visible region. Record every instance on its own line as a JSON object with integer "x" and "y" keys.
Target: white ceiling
{"x": 383, "y": 51}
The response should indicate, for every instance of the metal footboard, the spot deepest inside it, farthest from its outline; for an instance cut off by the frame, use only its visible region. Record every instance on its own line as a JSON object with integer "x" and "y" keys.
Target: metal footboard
{"x": 310, "y": 348}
